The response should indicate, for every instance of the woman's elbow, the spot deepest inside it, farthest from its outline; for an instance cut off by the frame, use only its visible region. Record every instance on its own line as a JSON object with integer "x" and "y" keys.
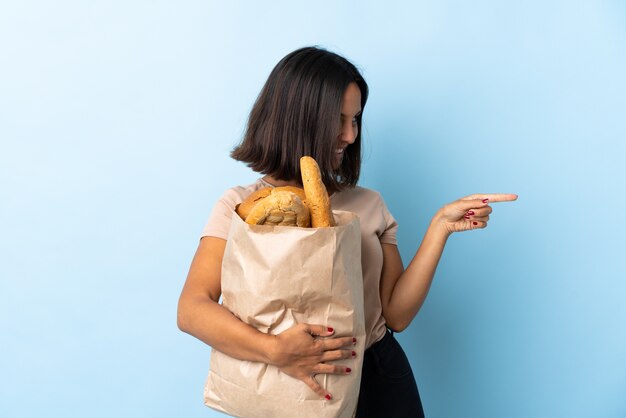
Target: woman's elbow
{"x": 182, "y": 316}
{"x": 397, "y": 325}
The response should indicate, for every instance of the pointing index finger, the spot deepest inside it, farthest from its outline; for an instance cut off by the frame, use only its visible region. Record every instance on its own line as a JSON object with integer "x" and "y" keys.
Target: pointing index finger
{"x": 494, "y": 197}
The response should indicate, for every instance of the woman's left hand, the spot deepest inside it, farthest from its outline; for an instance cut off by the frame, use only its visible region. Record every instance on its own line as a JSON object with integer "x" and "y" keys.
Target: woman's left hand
{"x": 469, "y": 212}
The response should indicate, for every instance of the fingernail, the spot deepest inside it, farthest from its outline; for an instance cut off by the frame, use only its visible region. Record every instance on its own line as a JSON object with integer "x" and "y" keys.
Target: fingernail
{"x": 348, "y": 370}
{"x": 354, "y": 354}
{"x": 330, "y": 329}
{"x": 353, "y": 340}
{"x": 466, "y": 217}
{"x": 485, "y": 200}
{"x": 328, "y": 397}
{"x": 471, "y": 212}
{"x": 475, "y": 223}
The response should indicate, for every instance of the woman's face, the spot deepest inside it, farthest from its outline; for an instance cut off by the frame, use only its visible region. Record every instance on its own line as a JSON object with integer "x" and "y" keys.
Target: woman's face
{"x": 350, "y": 109}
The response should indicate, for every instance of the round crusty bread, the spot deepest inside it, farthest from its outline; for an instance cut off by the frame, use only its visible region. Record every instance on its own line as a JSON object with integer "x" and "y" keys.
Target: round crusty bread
{"x": 297, "y": 190}
{"x": 243, "y": 209}
{"x": 316, "y": 194}
{"x": 280, "y": 208}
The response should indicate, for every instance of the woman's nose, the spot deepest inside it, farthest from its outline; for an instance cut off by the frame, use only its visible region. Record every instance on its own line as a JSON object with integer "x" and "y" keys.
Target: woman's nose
{"x": 348, "y": 133}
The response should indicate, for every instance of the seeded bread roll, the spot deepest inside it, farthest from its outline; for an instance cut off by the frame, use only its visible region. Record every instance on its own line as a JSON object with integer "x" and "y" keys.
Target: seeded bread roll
{"x": 316, "y": 194}
{"x": 280, "y": 208}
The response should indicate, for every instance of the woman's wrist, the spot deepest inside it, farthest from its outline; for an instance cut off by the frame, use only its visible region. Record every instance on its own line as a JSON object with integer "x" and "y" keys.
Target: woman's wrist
{"x": 268, "y": 346}
{"x": 438, "y": 226}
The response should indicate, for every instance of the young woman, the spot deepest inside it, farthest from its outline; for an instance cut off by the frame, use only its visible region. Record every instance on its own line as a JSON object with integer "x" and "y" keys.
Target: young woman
{"x": 312, "y": 104}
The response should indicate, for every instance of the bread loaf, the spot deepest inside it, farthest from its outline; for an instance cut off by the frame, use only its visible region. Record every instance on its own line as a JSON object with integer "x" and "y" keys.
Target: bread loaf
{"x": 243, "y": 209}
{"x": 316, "y": 194}
{"x": 289, "y": 205}
{"x": 280, "y": 208}
{"x": 297, "y": 190}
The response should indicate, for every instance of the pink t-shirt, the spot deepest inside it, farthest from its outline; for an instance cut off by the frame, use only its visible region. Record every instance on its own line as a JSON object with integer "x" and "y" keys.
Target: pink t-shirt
{"x": 377, "y": 227}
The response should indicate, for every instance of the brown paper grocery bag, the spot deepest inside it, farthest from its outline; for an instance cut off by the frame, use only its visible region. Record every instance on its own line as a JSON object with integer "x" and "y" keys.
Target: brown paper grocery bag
{"x": 274, "y": 277}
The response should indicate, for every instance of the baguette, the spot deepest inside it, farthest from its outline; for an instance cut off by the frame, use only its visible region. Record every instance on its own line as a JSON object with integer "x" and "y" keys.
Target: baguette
{"x": 316, "y": 194}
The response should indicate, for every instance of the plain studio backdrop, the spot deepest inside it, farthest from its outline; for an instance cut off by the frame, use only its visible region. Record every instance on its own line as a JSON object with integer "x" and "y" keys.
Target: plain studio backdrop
{"x": 116, "y": 121}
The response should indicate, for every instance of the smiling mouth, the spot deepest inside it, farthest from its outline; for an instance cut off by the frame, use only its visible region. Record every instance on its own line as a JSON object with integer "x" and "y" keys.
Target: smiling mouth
{"x": 339, "y": 156}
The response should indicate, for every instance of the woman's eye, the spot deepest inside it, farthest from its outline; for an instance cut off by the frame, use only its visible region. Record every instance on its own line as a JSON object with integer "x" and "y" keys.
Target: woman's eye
{"x": 354, "y": 121}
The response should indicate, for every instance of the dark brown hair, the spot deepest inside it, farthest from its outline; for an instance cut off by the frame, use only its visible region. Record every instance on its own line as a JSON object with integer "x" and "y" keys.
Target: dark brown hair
{"x": 298, "y": 112}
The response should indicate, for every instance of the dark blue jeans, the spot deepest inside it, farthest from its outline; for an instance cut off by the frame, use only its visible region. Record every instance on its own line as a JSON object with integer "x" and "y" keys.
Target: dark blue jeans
{"x": 388, "y": 388}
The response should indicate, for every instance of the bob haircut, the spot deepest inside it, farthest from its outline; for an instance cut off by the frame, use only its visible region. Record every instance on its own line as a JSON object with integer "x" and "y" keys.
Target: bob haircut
{"x": 297, "y": 113}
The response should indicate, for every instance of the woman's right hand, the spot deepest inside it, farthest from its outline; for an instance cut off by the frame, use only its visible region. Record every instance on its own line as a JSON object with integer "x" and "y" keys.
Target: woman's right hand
{"x": 303, "y": 350}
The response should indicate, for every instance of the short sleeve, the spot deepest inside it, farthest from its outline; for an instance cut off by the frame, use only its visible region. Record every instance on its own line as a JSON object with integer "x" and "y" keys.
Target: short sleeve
{"x": 389, "y": 235}
{"x": 219, "y": 221}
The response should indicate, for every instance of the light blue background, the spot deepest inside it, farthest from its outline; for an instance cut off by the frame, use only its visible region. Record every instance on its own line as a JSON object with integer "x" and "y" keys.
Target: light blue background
{"x": 116, "y": 119}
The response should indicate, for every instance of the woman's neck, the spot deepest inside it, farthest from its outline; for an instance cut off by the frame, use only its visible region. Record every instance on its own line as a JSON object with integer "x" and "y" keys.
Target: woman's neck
{"x": 280, "y": 183}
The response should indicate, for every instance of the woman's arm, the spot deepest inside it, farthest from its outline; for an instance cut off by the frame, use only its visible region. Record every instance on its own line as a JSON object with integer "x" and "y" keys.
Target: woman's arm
{"x": 403, "y": 291}
{"x": 200, "y": 314}
{"x": 295, "y": 351}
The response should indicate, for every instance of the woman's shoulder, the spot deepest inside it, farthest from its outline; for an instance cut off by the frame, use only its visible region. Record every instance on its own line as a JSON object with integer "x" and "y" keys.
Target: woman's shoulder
{"x": 358, "y": 199}
{"x": 369, "y": 205}
{"x": 237, "y": 194}
{"x": 220, "y": 218}
{"x": 360, "y": 193}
